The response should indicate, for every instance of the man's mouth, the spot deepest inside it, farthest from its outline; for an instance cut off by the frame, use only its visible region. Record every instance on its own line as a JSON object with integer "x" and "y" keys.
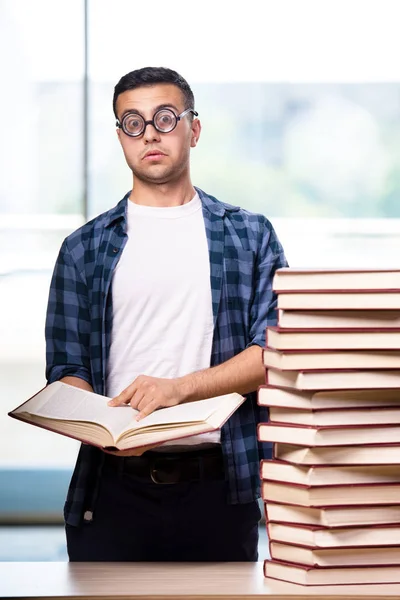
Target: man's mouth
{"x": 153, "y": 155}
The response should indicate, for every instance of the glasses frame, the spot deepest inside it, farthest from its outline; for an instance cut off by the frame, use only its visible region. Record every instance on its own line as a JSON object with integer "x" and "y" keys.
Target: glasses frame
{"x": 121, "y": 124}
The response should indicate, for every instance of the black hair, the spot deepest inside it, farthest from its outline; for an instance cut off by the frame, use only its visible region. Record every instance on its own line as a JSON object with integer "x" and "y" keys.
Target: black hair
{"x": 152, "y": 76}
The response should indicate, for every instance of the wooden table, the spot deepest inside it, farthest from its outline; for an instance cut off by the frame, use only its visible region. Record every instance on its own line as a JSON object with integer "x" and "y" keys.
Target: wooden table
{"x": 165, "y": 581}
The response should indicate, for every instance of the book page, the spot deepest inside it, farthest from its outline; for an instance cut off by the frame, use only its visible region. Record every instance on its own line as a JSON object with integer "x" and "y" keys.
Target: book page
{"x": 189, "y": 412}
{"x": 67, "y": 403}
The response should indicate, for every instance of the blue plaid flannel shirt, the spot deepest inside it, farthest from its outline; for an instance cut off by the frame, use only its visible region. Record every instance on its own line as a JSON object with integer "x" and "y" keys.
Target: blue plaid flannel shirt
{"x": 244, "y": 254}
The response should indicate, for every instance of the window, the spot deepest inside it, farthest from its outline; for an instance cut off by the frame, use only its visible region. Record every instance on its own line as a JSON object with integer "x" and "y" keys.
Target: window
{"x": 40, "y": 203}
{"x": 301, "y": 121}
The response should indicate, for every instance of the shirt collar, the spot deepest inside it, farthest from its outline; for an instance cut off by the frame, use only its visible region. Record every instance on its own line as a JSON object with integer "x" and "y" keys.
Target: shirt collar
{"x": 209, "y": 202}
{"x": 117, "y": 213}
{"x": 215, "y": 206}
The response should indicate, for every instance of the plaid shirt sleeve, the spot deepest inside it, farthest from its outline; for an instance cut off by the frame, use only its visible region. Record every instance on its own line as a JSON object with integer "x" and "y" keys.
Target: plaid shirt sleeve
{"x": 252, "y": 253}
{"x": 68, "y": 322}
{"x": 263, "y": 306}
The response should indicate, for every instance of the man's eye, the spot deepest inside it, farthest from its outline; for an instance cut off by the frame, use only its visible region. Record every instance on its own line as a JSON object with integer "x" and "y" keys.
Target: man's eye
{"x": 164, "y": 119}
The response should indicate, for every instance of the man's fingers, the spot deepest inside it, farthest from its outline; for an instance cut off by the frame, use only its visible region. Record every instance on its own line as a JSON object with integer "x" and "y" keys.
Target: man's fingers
{"x": 118, "y": 401}
{"x": 136, "y": 399}
{"x": 124, "y": 397}
{"x": 147, "y": 410}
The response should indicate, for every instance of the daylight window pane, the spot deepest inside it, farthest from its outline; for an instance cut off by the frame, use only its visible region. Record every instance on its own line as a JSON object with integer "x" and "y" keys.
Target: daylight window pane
{"x": 300, "y": 114}
{"x": 41, "y": 192}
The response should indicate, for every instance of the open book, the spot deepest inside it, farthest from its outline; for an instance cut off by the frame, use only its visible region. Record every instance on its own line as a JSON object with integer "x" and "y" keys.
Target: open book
{"x": 87, "y": 417}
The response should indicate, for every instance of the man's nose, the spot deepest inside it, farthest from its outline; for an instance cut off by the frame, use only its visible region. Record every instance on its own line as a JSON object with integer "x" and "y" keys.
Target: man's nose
{"x": 150, "y": 133}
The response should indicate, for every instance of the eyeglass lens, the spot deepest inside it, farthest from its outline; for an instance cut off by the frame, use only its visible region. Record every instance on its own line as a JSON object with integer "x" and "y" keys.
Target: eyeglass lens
{"x": 164, "y": 120}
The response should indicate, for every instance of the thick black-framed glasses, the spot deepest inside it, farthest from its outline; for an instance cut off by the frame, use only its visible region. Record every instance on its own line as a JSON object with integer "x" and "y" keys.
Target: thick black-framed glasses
{"x": 164, "y": 120}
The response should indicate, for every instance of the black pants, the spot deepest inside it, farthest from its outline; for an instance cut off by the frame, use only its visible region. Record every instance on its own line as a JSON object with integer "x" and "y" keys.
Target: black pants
{"x": 138, "y": 520}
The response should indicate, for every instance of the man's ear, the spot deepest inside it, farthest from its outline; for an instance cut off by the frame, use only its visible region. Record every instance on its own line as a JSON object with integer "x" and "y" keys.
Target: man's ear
{"x": 196, "y": 130}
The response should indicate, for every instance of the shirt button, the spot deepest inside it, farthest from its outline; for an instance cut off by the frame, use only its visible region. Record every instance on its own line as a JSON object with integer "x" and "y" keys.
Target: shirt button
{"x": 88, "y": 515}
{"x": 115, "y": 250}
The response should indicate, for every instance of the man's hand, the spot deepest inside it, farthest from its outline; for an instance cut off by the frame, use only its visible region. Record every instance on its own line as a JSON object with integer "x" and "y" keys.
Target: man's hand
{"x": 242, "y": 373}
{"x": 146, "y": 394}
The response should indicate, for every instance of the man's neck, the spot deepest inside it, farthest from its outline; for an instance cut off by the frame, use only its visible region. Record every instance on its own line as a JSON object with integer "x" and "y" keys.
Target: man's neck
{"x": 163, "y": 195}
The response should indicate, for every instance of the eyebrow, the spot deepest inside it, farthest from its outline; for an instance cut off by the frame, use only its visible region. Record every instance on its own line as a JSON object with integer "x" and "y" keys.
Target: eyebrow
{"x": 157, "y": 108}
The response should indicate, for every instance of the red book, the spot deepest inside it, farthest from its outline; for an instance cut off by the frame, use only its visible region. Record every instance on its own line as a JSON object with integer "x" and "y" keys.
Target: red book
{"x": 348, "y": 575}
{"x": 335, "y": 557}
{"x": 333, "y": 516}
{"x": 317, "y": 475}
{"x": 305, "y": 360}
{"x": 371, "y": 338}
{"x": 290, "y": 279}
{"x": 387, "y": 454}
{"x": 269, "y": 395}
{"x": 335, "y": 416}
{"x": 335, "y": 435}
{"x": 343, "y": 379}
{"x": 329, "y": 495}
{"x": 355, "y": 300}
{"x": 334, "y": 319}
{"x": 338, "y": 537}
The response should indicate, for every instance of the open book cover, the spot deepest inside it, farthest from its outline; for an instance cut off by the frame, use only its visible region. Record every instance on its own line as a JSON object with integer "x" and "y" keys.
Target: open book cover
{"x": 86, "y": 416}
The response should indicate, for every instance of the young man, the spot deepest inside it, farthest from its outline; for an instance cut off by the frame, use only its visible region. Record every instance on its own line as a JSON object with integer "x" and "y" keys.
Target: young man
{"x": 161, "y": 300}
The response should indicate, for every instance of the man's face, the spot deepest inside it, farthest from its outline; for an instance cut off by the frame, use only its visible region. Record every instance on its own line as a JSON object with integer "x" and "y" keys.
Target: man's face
{"x": 156, "y": 157}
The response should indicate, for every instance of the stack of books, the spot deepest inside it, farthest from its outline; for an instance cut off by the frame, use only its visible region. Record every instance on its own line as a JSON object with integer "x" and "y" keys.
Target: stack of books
{"x": 332, "y": 489}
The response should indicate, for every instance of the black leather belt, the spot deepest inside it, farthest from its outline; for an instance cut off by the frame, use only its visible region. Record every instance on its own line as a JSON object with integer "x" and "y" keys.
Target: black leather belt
{"x": 170, "y": 467}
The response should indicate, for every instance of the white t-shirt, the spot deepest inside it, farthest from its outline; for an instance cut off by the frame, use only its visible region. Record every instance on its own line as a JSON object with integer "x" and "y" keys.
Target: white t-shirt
{"x": 162, "y": 305}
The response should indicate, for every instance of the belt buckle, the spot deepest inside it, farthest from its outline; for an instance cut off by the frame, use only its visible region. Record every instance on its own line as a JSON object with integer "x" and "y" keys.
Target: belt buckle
{"x": 164, "y": 476}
